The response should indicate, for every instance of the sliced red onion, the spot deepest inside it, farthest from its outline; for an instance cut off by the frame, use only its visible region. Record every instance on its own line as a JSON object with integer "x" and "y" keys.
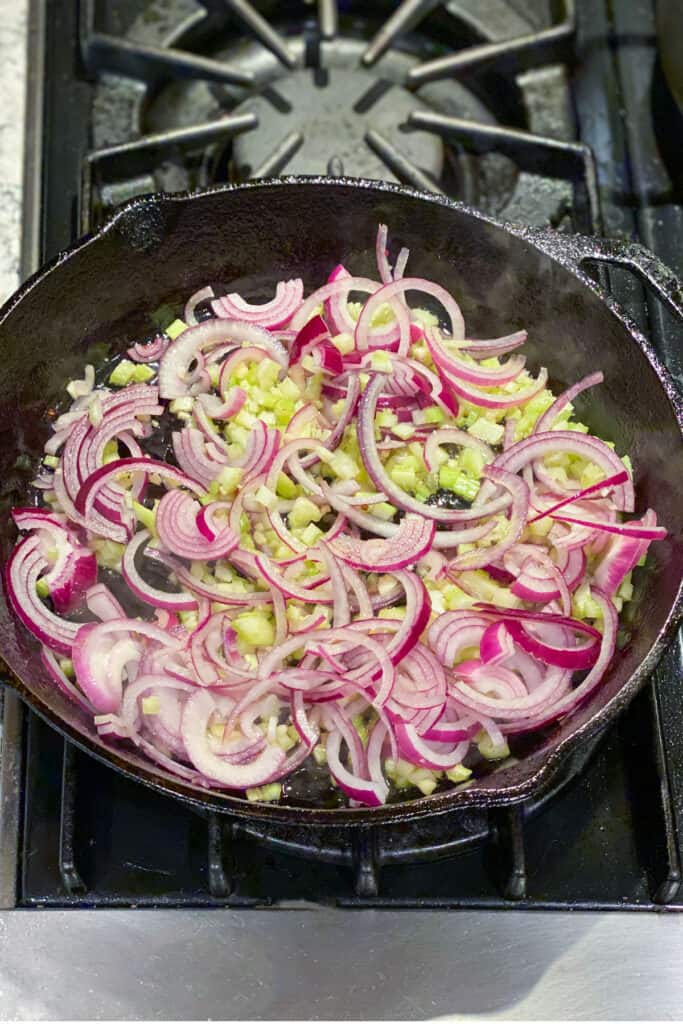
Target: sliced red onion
{"x": 449, "y": 363}
{"x": 175, "y": 602}
{"x": 149, "y": 352}
{"x": 203, "y": 295}
{"x": 276, "y": 313}
{"x": 174, "y": 367}
{"x": 604, "y": 485}
{"x": 519, "y": 493}
{"x": 102, "y": 603}
{"x": 196, "y": 717}
{"x": 411, "y": 541}
{"x": 383, "y": 482}
{"x": 24, "y": 567}
{"x": 101, "y": 652}
{"x": 366, "y": 791}
{"x": 545, "y": 422}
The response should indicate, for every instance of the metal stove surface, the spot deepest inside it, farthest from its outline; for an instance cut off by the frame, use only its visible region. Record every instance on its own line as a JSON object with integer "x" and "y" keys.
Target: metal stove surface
{"x": 494, "y": 101}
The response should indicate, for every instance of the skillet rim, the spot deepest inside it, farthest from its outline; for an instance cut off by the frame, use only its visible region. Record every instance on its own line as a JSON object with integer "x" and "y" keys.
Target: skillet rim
{"x": 549, "y": 243}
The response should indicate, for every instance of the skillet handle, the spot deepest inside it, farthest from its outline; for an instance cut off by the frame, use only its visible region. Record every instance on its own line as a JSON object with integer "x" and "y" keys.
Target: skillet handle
{"x": 635, "y": 257}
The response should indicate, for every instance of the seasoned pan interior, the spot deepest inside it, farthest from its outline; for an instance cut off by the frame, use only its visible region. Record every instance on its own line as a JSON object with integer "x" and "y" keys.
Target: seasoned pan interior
{"x": 97, "y": 299}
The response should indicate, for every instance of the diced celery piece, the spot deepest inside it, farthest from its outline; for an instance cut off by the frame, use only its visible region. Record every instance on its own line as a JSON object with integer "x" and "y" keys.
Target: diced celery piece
{"x": 254, "y": 628}
{"x": 184, "y": 404}
{"x": 427, "y": 786}
{"x": 151, "y": 705}
{"x": 458, "y": 774}
{"x": 272, "y": 791}
{"x": 487, "y": 431}
{"x": 383, "y": 510}
{"x": 403, "y": 475}
{"x": 42, "y": 588}
{"x": 284, "y": 410}
{"x": 320, "y": 754}
{"x": 67, "y": 667}
{"x": 386, "y": 418}
{"x": 245, "y": 419}
{"x": 310, "y": 535}
{"x": 286, "y": 488}
{"x": 52, "y": 461}
{"x": 264, "y": 496}
{"x": 381, "y": 361}
{"x": 472, "y": 462}
{"x": 403, "y": 430}
{"x": 288, "y": 389}
{"x": 143, "y": 373}
{"x": 452, "y": 479}
{"x": 122, "y": 374}
{"x": 228, "y": 479}
{"x": 423, "y": 316}
{"x": 146, "y": 516}
{"x": 175, "y": 328}
{"x": 344, "y": 343}
{"x": 267, "y": 373}
{"x": 432, "y": 414}
{"x": 491, "y": 751}
{"x": 214, "y": 372}
{"x": 343, "y": 465}
{"x": 303, "y": 512}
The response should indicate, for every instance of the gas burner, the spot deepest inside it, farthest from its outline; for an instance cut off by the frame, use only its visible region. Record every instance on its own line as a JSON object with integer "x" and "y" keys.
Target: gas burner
{"x": 427, "y": 95}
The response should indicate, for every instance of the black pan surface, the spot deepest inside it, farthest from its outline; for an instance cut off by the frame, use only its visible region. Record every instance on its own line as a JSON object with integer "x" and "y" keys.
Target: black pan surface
{"x": 96, "y": 298}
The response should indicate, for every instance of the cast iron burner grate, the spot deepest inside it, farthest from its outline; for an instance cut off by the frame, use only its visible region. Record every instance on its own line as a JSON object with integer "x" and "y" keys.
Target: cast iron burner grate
{"x": 413, "y": 96}
{"x": 139, "y": 96}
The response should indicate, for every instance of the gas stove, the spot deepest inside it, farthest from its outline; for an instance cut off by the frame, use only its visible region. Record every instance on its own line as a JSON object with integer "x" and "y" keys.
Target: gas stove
{"x": 531, "y": 111}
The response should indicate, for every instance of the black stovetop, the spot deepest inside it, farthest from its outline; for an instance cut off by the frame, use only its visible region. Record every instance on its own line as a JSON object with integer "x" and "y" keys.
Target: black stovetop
{"x": 569, "y": 123}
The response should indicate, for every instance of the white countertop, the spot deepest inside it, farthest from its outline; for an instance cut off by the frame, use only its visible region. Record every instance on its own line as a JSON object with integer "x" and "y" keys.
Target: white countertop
{"x": 13, "y": 16}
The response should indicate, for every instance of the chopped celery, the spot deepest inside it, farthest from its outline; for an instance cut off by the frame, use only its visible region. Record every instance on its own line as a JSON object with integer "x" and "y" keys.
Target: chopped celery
{"x": 122, "y": 374}
{"x": 451, "y": 478}
{"x": 427, "y": 786}
{"x": 403, "y": 430}
{"x": 286, "y": 488}
{"x": 272, "y": 791}
{"x": 472, "y": 462}
{"x": 184, "y": 404}
{"x": 383, "y": 510}
{"x": 432, "y": 414}
{"x": 320, "y": 754}
{"x": 52, "y": 461}
{"x": 267, "y": 373}
{"x": 489, "y": 750}
{"x": 381, "y": 361}
{"x": 458, "y": 774}
{"x": 310, "y": 535}
{"x": 175, "y": 328}
{"x": 146, "y": 516}
{"x": 343, "y": 465}
{"x": 265, "y": 497}
{"x": 42, "y": 588}
{"x": 386, "y": 418}
{"x": 303, "y": 512}
{"x": 67, "y": 667}
{"x": 344, "y": 343}
{"x": 151, "y": 705}
{"x": 254, "y": 628}
{"x": 228, "y": 479}
{"x": 487, "y": 431}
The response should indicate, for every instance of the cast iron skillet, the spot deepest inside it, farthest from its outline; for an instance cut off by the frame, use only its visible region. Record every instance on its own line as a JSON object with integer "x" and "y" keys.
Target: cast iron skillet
{"x": 95, "y": 298}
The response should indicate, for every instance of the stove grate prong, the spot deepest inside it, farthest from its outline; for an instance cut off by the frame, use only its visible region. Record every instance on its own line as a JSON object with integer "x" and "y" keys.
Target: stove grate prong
{"x": 210, "y": 131}
{"x": 404, "y": 18}
{"x": 264, "y": 32}
{"x": 404, "y": 169}
{"x": 328, "y": 18}
{"x": 276, "y": 161}
{"x": 510, "y": 56}
{"x": 537, "y": 154}
{"x": 103, "y": 52}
